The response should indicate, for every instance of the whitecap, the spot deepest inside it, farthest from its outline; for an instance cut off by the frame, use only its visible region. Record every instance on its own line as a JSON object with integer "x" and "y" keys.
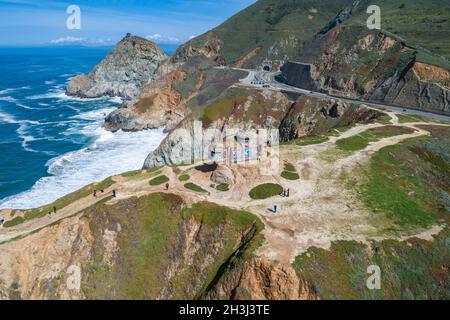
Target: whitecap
{"x": 8, "y": 99}
{"x": 109, "y": 154}
{"x": 61, "y": 95}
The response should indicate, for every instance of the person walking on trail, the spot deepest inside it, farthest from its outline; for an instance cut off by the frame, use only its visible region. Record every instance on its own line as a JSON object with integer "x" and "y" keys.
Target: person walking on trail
{"x": 95, "y": 193}
{"x": 2, "y": 219}
{"x": 167, "y": 186}
{"x": 114, "y": 193}
{"x": 288, "y": 192}
{"x": 275, "y": 207}
{"x": 54, "y": 209}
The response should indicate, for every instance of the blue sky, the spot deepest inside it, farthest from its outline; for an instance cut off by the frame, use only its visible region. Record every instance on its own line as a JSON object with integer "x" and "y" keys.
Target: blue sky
{"x": 42, "y": 22}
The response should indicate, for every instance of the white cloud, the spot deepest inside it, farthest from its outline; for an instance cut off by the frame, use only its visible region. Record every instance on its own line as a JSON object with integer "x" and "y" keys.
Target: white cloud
{"x": 163, "y": 39}
{"x": 68, "y": 40}
{"x": 192, "y": 37}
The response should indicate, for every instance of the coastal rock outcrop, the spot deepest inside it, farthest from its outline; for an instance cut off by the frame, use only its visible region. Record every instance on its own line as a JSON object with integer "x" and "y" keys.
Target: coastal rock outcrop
{"x": 237, "y": 112}
{"x": 128, "y": 67}
{"x": 352, "y": 62}
{"x": 179, "y": 90}
{"x": 314, "y": 116}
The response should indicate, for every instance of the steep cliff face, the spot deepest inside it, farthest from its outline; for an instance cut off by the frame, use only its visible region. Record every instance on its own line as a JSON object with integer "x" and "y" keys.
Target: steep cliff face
{"x": 167, "y": 101}
{"x": 423, "y": 86}
{"x": 139, "y": 248}
{"x": 310, "y": 116}
{"x": 130, "y": 65}
{"x": 238, "y": 111}
{"x": 371, "y": 65}
{"x": 242, "y": 111}
{"x": 261, "y": 279}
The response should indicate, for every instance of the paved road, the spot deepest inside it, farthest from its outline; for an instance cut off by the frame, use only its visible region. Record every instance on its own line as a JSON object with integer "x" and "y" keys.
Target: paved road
{"x": 259, "y": 78}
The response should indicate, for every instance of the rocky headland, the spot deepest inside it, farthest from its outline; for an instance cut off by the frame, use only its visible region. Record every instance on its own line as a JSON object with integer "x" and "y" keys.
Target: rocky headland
{"x": 132, "y": 64}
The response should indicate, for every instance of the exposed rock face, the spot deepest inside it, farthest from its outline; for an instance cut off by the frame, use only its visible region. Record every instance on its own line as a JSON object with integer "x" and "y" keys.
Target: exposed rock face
{"x": 179, "y": 90}
{"x": 237, "y": 110}
{"x": 209, "y": 49}
{"x": 352, "y": 62}
{"x": 411, "y": 91}
{"x": 223, "y": 174}
{"x": 103, "y": 252}
{"x": 312, "y": 116}
{"x": 130, "y": 65}
{"x": 261, "y": 279}
{"x": 159, "y": 105}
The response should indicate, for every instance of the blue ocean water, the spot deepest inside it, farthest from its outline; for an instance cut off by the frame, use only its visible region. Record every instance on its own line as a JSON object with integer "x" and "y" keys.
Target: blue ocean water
{"x": 52, "y": 144}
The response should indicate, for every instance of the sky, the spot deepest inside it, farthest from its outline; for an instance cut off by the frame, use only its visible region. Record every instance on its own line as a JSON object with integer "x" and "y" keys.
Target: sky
{"x": 44, "y": 22}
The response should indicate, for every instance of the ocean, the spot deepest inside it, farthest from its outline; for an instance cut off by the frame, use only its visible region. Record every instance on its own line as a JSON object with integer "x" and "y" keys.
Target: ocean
{"x": 52, "y": 144}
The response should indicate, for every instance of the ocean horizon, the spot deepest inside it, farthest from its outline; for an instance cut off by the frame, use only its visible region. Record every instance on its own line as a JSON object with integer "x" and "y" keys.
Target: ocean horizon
{"x": 52, "y": 144}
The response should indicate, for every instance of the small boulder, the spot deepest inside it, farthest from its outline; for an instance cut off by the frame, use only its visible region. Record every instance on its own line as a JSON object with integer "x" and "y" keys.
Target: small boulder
{"x": 223, "y": 174}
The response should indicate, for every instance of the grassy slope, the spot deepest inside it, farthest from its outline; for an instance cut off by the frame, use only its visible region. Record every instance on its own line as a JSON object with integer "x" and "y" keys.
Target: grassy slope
{"x": 361, "y": 141}
{"x": 415, "y": 269}
{"x": 285, "y": 24}
{"x": 273, "y": 22}
{"x": 409, "y": 182}
{"x": 60, "y": 203}
{"x": 424, "y": 25}
{"x": 151, "y": 240}
{"x": 409, "y": 185}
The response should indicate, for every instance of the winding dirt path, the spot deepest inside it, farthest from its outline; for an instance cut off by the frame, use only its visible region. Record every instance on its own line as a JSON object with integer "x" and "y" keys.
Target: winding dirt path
{"x": 319, "y": 210}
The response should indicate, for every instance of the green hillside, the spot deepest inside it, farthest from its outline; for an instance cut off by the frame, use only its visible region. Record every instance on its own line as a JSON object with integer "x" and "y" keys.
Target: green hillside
{"x": 421, "y": 24}
{"x": 277, "y": 29}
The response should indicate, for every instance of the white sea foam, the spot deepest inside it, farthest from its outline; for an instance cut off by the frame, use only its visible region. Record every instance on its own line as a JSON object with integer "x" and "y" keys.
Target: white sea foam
{"x": 9, "y": 90}
{"x": 61, "y": 95}
{"x": 6, "y": 118}
{"x": 109, "y": 154}
{"x": 8, "y": 99}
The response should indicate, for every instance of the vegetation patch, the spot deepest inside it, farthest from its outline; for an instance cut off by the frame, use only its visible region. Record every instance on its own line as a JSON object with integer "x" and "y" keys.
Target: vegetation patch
{"x": 14, "y": 222}
{"x": 290, "y": 175}
{"x": 412, "y": 269}
{"x": 195, "y": 188}
{"x": 152, "y": 229}
{"x": 62, "y": 202}
{"x": 395, "y": 188}
{"x": 223, "y": 187}
{"x": 159, "y": 180}
{"x": 265, "y": 191}
{"x": 406, "y": 118}
{"x": 361, "y": 141}
{"x": 184, "y": 177}
{"x": 408, "y": 182}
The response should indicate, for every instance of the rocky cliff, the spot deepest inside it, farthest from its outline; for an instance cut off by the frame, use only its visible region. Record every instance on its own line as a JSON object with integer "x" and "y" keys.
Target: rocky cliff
{"x": 370, "y": 65}
{"x": 129, "y": 66}
{"x": 140, "y": 248}
{"x": 180, "y": 89}
{"x": 242, "y": 110}
{"x": 237, "y": 111}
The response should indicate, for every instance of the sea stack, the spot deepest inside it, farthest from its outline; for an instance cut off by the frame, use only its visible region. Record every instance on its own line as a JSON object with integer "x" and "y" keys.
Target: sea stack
{"x": 127, "y": 68}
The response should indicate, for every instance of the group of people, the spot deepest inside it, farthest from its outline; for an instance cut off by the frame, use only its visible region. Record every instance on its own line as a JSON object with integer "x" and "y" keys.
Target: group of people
{"x": 50, "y": 212}
{"x": 94, "y": 193}
{"x": 286, "y": 193}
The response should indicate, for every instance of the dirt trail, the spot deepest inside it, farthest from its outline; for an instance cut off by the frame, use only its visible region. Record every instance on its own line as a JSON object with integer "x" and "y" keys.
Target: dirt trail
{"x": 317, "y": 212}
